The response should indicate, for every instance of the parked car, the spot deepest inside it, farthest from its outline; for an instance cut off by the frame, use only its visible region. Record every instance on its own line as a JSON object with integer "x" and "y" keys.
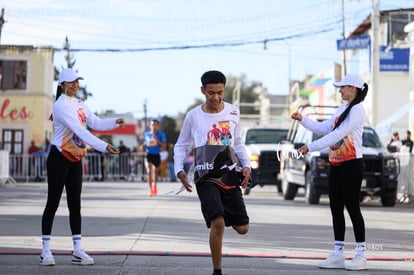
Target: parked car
{"x": 311, "y": 171}
{"x": 262, "y": 147}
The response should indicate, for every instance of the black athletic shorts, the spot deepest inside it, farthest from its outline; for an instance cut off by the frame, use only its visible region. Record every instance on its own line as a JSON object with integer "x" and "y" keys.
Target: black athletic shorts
{"x": 217, "y": 201}
{"x": 154, "y": 159}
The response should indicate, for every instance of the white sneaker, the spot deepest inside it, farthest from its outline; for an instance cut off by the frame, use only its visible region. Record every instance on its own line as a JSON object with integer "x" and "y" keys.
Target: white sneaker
{"x": 81, "y": 258}
{"x": 359, "y": 262}
{"x": 333, "y": 261}
{"x": 46, "y": 258}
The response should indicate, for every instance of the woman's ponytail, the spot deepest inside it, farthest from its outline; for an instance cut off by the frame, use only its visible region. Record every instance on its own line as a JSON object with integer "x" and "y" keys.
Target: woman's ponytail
{"x": 58, "y": 94}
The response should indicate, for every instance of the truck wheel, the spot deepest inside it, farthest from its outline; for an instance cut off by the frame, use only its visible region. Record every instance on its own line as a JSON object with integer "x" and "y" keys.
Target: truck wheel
{"x": 310, "y": 196}
{"x": 389, "y": 199}
{"x": 279, "y": 187}
{"x": 290, "y": 190}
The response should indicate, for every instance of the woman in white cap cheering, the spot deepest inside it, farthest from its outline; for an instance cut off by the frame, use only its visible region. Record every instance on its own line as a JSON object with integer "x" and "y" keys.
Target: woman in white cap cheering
{"x": 343, "y": 135}
{"x": 64, "y": 163}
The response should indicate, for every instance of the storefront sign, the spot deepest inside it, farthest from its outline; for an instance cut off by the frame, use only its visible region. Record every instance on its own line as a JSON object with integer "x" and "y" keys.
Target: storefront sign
{"x": 394, "y": 59}
{"x": 13, "y": 113}
{"x": 358, "y": 42}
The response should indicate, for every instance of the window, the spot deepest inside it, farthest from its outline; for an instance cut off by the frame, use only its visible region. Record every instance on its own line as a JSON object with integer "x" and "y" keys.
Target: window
{"x": 265, "y": 136}
{"x": 370, "y": 138}
{"x": 13, "y": 141}
{"x": 396, "y": 23}
{"x": 13, "y": 75}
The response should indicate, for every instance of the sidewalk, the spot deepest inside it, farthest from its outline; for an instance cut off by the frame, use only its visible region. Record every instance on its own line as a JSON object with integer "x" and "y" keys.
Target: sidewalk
{"x": 130, "y": 233}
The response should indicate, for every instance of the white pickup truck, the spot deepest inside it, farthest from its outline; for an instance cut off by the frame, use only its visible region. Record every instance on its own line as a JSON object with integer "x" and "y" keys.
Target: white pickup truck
{"x": 262, "y": 147}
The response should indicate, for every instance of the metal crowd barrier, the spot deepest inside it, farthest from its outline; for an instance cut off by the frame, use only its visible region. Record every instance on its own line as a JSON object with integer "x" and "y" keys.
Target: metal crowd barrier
{"x": 406, "y": 177}
{"x": 96, "y": 167}
{"x": 4, "y": 167}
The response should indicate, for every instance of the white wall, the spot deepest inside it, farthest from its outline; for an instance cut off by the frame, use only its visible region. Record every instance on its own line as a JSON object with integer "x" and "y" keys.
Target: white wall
{"x": 394, "y": 92}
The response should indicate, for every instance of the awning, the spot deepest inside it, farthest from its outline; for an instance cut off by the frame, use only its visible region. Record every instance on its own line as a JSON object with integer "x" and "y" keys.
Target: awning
{"x": 129, "y": 129}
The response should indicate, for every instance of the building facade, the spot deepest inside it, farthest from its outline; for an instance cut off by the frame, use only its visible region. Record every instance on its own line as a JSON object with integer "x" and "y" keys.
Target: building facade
{"x": 26, "y": 96}
{"x": 388, "y": 102}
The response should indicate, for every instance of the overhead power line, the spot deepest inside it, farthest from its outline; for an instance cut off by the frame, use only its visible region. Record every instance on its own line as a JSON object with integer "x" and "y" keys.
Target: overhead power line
{"x": 212, "y": 45}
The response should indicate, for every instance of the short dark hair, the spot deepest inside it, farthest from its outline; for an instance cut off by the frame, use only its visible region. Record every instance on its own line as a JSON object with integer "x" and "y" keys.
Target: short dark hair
{"x": 213, "y": 77}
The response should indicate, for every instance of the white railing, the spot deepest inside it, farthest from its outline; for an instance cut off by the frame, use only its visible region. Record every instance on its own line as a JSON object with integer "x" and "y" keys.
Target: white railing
{"x": 406, "y": 177}
{"x": 4, "y": 167}
{"x": 96, "y": 167}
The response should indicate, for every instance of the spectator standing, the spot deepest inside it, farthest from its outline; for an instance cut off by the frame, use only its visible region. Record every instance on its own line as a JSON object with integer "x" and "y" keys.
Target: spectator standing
{"x": 163, "y": 171}
{"x": 408, "y": 142}
{"x": 154, "y": 141}
{"x": 170, "y": 159}
{"x": 123, "y": 160}
{"x": 44, "y": 152}
{"x": 70, "y": 117}
{"x": 394, "y": 145}
{"x": 34, "y": 161}
{"x": 45, "y": 148}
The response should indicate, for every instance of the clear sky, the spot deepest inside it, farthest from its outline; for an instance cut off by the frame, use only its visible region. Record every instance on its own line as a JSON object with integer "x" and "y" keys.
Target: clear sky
{"x": 133, "y": 52}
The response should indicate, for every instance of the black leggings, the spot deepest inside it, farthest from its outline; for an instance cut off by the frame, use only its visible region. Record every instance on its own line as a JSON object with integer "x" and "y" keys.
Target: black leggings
{"x": 62, "y": 173}
{"x": 344, "y": 191}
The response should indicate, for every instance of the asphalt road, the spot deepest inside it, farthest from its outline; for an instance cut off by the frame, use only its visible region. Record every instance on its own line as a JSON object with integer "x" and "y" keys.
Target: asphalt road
{"x": 130, "y": 233}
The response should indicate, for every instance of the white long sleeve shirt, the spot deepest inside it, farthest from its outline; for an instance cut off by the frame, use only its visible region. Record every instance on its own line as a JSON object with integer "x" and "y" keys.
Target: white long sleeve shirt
{"x": 201, "y": 128}
{"x": 345, "y": 142}
{"x": 71, "y": 117}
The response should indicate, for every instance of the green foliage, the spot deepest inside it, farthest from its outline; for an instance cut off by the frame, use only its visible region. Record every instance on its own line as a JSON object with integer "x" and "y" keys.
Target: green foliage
{"x": 83, "y": 93}
{"x": 197, "y": 101}
{"x": 247, "y": 92}
{"x": 169, "y": 126}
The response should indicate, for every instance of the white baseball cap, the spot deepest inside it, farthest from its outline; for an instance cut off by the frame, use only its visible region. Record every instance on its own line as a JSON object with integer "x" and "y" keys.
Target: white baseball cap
{"x": 68, "y": 75}
{"x": 350, "y": 80}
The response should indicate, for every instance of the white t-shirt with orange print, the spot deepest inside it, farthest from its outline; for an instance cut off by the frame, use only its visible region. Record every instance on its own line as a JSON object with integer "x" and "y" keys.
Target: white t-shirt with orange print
{"x": 71, "y": 117}
{"x": 201, "y": 128}
{"x": 345, "y": 142}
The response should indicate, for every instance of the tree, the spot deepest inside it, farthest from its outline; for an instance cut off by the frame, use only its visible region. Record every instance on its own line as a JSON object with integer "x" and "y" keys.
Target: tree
{"x": 247, "y": 95}
{"x": 83, "y": 93}
{"x": 197, "y": 101}
{"x": 247, "y": 92}
{"x": 169, "y": 126}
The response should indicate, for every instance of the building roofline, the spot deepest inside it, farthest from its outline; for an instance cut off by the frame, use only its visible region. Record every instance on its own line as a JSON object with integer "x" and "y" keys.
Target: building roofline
{"x": 23, "y": 48}
{"x": 366, "y": 23}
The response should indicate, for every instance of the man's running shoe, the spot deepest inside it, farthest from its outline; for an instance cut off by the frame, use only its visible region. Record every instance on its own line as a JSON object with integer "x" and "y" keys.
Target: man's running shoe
{"x": 46, "y": 258}
{"x": 81, "y": 258}
{"x": 359, "y": 262}
{"x": 154, "y": 191}
{"x": 333, "y": 261}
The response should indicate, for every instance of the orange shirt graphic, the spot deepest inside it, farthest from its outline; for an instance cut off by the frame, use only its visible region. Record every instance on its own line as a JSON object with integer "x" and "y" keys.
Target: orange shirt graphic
{"x": 73, "y": 148}
{"x": 343, "y": 150}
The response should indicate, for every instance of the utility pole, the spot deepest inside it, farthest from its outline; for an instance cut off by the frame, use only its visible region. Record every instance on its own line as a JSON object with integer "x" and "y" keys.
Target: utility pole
{"x": 375, "y": 19}
{"x": 343, "y": 35}
{"x": 289, "y": 64}
{"x": 145, "y": 116}
{"x": 2, "y": 21}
